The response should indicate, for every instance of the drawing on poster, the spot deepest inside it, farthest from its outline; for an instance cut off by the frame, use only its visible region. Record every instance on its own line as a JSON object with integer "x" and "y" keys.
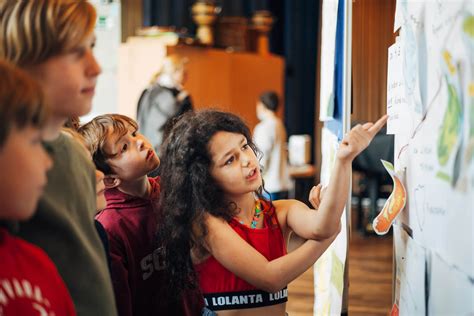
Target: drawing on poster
{"x": 394, "y": 205}
{"x": 434, "y": 268}
{"x": 415, "y": 69}
{"x": 337, "y": 273}
{"x": 468, "y": 41}
{"x": 450, "y": 137}
{"x": 419, "y": 201}
{"x": 470, "y": 142}
{"x": 455, "y": 142}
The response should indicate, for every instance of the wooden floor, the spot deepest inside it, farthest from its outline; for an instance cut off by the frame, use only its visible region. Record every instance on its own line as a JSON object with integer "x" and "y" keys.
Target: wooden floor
{"x": 370, "y": 275}
{"x": 370, "y": 280}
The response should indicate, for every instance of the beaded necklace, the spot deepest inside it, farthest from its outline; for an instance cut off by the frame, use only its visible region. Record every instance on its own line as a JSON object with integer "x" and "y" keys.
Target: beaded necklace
{"x": 256, "y": 215}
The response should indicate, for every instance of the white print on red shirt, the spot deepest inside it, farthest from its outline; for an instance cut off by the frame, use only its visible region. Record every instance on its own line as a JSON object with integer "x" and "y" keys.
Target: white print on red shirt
{"x": 22, "y": 293}
{"x": 153, "y": 262}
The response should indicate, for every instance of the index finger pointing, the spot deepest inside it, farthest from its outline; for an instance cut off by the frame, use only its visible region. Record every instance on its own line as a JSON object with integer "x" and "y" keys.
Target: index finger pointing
{"x": 368, "y": 125}
{"x": 378, "y": 125}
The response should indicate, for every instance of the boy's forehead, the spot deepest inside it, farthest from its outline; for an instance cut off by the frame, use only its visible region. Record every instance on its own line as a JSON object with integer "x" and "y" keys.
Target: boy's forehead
{"x": 115, "y": 134}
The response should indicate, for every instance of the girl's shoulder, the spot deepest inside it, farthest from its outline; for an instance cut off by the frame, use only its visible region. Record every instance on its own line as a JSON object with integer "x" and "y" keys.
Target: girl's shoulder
{"x": 284, "y": 205}
{"x": 282, "y": 208}
{"x": 213, "y": 224}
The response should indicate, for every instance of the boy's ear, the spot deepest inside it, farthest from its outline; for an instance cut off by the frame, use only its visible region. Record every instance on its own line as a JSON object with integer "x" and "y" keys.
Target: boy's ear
{"x": 111, "y": 181}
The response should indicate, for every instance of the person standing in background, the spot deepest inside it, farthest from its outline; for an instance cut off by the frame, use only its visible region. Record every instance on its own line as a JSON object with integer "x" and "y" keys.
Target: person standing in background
{"x": 163, "y": 100}
{"x": 270, "y": 137}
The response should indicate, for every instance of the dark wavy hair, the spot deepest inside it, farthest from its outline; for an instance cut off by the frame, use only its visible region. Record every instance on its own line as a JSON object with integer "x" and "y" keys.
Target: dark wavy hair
{"x": 189, "y": 191}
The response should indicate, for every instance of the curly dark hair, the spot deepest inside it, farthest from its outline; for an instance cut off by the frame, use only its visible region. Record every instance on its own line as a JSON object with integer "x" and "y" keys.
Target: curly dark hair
{"x": 189, "y": 191}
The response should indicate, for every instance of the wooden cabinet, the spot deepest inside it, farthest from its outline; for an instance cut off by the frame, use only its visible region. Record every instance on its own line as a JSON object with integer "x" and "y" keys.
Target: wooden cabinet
{"x": 230, "y": 81}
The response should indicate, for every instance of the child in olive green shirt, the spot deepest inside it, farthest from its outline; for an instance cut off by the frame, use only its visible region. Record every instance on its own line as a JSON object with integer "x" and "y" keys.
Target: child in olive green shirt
{"x": 57, "y": 51}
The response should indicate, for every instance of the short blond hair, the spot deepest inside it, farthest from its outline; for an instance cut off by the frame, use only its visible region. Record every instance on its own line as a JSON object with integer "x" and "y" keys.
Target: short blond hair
{"x": 21, "y": 101}
{"x": 171, "y": 64}
{"x": 35, "y": 30}
{"x": 95, "y": 134}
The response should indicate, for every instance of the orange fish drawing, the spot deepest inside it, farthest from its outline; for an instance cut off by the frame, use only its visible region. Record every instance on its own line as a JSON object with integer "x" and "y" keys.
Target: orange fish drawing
{"x": 394, "y": 205}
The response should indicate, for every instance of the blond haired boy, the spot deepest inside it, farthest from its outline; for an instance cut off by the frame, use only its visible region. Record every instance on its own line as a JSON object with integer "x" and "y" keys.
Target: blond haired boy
{"x": 52, "y": 40}
{"x": 130, "y": 218}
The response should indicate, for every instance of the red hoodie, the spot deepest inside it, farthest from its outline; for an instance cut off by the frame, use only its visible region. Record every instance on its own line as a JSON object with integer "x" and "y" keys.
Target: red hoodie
{"x": 137, "y": 262}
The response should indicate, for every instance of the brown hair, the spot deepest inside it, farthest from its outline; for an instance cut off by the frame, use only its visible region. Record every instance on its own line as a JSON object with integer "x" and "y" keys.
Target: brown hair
{"x": 95, "y": 134}
{"x": 35, "y": 30}
{"x": 171, "y": 64}
{"x": 21, "y": 101}
{"x": 270, "y": 100}
{"x": 73, "y": 123}
{"x": 74, "y": 134}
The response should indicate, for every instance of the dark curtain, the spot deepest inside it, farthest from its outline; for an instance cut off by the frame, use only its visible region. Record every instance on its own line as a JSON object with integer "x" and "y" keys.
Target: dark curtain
{"x": 294, "y": 36}
{"x": 178, "y": 12}
{"x": 300, "y": 52}
{"x": 169, "y": 13}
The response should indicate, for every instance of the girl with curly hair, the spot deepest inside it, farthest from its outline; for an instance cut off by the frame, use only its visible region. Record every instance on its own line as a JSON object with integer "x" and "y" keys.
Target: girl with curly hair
{"x": 222, "y": 235}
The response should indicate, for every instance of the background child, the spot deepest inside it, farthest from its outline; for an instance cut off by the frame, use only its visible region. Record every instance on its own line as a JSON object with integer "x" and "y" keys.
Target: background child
{"x": 57, "y": 51}
{"x": 270, "y": 137}
{"x": 214, "y": 210}
{"x": 101, "y": 202}
{"x": 163, "y": 100}
{"x": 23, "y": 166}
{"x": 126, "y": 157}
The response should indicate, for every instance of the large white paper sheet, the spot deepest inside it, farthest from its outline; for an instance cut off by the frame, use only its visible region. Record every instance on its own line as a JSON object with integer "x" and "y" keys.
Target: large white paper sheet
{"x": 412, "y": 279}
{"x": 410, "y": 268}
{"x": 396, "y": 94}
{"x": 451, "y": 292}
{"x": 328, "y": 52}
{"x": 437, "y": 155}
{"x": 329, "y": 269}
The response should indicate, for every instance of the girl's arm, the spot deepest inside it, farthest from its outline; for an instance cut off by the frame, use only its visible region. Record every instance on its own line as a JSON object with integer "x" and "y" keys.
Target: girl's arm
{"x": 324, "y": 222}
{"x": 247, "y": 263}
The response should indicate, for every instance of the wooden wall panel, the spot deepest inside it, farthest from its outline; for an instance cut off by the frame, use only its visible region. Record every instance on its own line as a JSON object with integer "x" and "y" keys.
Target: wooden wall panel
{"x": 318, "y": 124}
{"x": 132, "y": 17}
{"x": 231, "y": 81}
{"x": 372, "y": 34}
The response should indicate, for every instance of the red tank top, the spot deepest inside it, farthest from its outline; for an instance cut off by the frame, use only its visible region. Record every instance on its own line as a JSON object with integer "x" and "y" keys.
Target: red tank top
{"x": 222, "y": 289}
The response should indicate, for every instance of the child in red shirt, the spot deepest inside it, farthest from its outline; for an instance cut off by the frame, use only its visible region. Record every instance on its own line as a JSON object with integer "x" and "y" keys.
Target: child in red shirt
{"x": 130, "y": 218}
{"x": 221, "y": 233}
{"x": 29, "y": 282}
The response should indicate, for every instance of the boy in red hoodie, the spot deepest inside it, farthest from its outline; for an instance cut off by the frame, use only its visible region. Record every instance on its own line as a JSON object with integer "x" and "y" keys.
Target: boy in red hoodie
{"x": 30, "y": 283}
{"x": 130, "y": 218}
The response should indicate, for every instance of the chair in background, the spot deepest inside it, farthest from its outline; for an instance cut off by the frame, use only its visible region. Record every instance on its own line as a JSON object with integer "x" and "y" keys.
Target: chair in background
{"x": 374, "y": 183}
